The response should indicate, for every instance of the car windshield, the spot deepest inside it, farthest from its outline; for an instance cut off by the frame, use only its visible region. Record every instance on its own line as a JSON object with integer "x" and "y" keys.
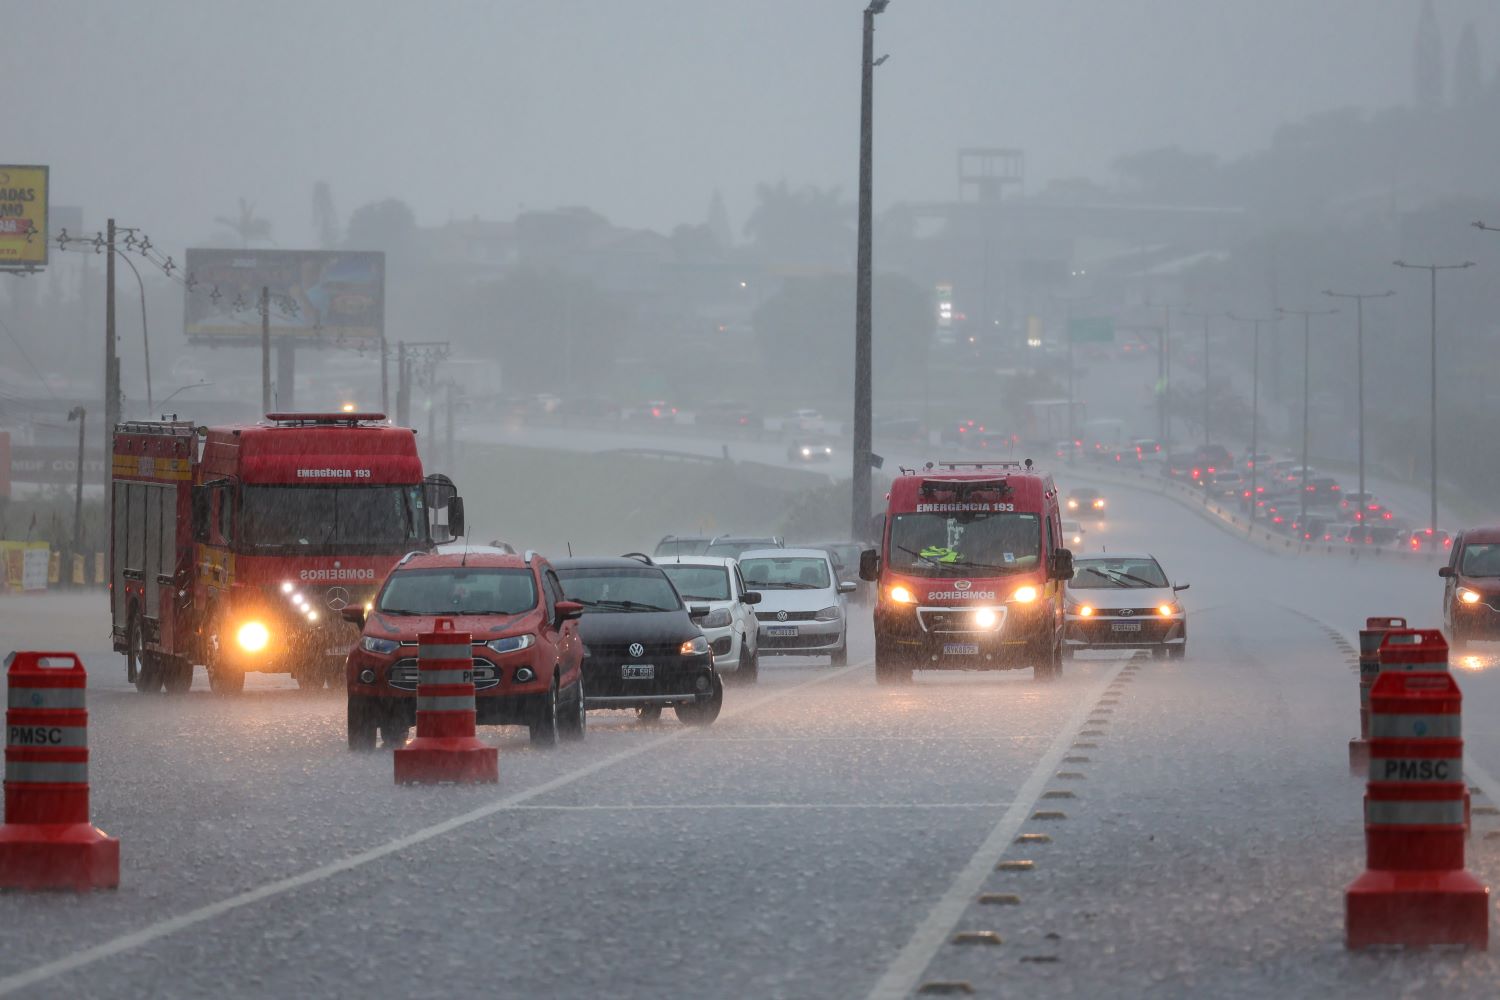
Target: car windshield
{"x": 310, "y": 519}
{"x": 786, "y": 573}
{"x": 1480, "y": 560}
{"x": 949, "y": 544}
{"x": 699, "y": 583}
{"x": 622, "y": 588}
{"x": 729, "y": 550}
{"x": 455, "y": 590}
{"x": 1100, "y": 574}
{"x": 681, "y": 547}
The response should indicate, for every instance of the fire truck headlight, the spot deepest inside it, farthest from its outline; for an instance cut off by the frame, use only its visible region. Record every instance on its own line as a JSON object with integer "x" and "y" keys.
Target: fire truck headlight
{"x": 312, "y": 616}
{"x": 1024, "y": 595}
{"x": 253, "y": 637}
{"x": 986, "y": 618}
{"x": 287, "y": 586}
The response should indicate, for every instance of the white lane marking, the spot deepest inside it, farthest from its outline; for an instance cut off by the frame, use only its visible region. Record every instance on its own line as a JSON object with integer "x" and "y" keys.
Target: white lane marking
{"x": 171, "y": 925}
{"x": 711, "y": 806}
{"x": 901, "y": 975}
{"x": 864, "y": 739}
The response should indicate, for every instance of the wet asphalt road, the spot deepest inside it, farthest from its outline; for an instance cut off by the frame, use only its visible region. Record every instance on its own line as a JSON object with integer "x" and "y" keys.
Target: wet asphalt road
{"x": 826, "y": 838}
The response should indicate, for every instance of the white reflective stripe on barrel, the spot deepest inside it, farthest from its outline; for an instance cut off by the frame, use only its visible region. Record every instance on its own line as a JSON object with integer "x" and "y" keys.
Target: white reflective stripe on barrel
{"x": 1405, "y": 727}
{"x": 445, "y": 703}
{"x": 63, "y": 772}
{"x": 46, "y": 736}
{"x": 443, "y": 651}
{"x": 22, "y": 697}
{"x": 428, "y": 677}
{"x": 1418, "y": 769}
{"x": 1449, "y": 812}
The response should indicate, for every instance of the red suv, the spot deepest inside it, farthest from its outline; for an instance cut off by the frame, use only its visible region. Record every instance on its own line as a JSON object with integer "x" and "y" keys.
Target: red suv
{"x": 1471, "y": 587}
{"x": 527, "y": 656}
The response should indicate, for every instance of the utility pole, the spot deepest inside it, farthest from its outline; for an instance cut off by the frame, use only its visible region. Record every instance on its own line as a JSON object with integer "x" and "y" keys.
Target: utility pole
{"x": 1164, "y": 375}
{"x": 1432, "y": 271}
{"x": 863, "y": 362}
{"x": 112, "y": 399}
{"x": 448, "y": 457}
{"x": 403, "y": 386}
{"x": 1207, "y": 403}
{"x": 265, "y": 349}
{"x": 1067, "y": 301}
{"x": 1307, "y": 315}
{"x": 1254, "y": 409}
{"x": 385, "y": 402}
{"x": 1359, "y": 364}
{"x": 79, "y": 414}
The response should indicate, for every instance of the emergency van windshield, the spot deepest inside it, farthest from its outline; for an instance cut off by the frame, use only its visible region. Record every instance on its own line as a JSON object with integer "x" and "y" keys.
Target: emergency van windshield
{"x": 331, "y": 519}
{"x": 964, "y": 544}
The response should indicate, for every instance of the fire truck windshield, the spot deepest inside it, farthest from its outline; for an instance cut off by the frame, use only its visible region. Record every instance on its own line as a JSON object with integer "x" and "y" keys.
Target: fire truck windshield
{"x": 964, "y": 544}
{"x": 331, "y": 519}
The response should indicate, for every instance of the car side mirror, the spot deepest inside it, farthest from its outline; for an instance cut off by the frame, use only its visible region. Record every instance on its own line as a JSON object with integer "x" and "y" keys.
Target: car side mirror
{"x": 869, "y": 565}
{"x": 1062, "y": 564}
{"x": 847, "y": 587}
{"x": 1446, "y": 572}
{"x": 697, "y": 611}
{"x": 1181, "y": 586}
{"x": 456, "y": 517}
{"x": 751, "y": 597}
{"x": 568, "y": 611}
{"x": 354, "y": 613}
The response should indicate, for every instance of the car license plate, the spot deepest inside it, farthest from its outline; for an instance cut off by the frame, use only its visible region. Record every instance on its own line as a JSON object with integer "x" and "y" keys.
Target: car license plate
{"x": 336, "y": 651}
{"x": 638, "y": 671}
{"x": 960, "y": 649}
{"x": 1126, "y": 626}
{"x": 782, "y": 630}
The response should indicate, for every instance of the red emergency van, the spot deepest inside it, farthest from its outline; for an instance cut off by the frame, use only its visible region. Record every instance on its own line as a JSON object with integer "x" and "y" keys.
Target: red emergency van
{"x": 970, "y": 572}
{"x": 237, "y": 547}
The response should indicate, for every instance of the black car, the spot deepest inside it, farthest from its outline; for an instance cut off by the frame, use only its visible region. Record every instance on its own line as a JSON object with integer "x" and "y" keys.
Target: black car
{"x": 643, "y": 650}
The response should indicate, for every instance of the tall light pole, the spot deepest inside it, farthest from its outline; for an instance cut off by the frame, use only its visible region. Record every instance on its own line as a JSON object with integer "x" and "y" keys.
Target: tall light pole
{"x": 1164, "y": 374}
{"x": 863, "y": 365}
{"x": 1067, "y": 301}
{"x": 1307, "y": 315}
{"x": 1432, "y": 271}
{"x": 81, "y": 415}
{"x": 1359, "y": 364}
{"x": 1256, "y": 321}
{"x": 1207, "y": 406}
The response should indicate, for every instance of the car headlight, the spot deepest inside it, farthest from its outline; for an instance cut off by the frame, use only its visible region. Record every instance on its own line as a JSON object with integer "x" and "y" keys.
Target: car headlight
{"x": 1077, "y": 539}
{"x": 718, "y": 618}
{"x": 806, "y": 452}
{"x": 1072, "y": 504}
{"x": 1099, "y": 504}
{"x": 901, "y": 595}
{"x": 1024, "y": 595}
{"x": 375, "y": 644}
{"x": 829, "y": 614}
{"x": 1468, "y": 596}
{"x": 695, "y": 646}
{"x": 1085, "y": 611}
{"x": 512, "y": 643}
{"x": 253, "y": 637}
{"x": 1169, "y": 608}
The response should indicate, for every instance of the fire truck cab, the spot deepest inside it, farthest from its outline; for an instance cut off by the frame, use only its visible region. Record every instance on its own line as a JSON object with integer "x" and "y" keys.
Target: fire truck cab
{"x": 237, "y": 547}
{"x": 970, "y": 572}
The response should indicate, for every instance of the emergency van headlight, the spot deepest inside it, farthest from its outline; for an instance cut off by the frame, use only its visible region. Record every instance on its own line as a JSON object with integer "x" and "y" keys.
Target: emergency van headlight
{"x": 1024, "y": 595}
{"x": 253, "y": 637}
{"x": 375, "y": 644}
{"x": 512, "y": 643}
{"x": 901, "y": 595}
{"x": 1468, "y": 596}
{"x": 696, "y": 646}
{"x": 986, "y": 618}
{"x": 828, "y": 614}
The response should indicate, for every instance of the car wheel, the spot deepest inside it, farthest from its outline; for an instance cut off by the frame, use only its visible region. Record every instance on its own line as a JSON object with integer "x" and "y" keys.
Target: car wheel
{"x": 574, "y": 724}
{"x": 1158, "y": 652}
{"x": 1047, "y": 666}
{"x": 1068, "y": 651}
{"x": 749, "y": 671}
{"x": 394, "y": 729}
{"x": 177, "y": 675}
{"x": 1177, "y": 652}
{"x": 890, "y": 666}
{"x": 702, "y": 713}
{"x": 145, "y": 667}
{"x": 544, "y": 727}
{"x": 648, "y": 714}
{"x": 839, "y": 657}
{"x": 362, "y": 723}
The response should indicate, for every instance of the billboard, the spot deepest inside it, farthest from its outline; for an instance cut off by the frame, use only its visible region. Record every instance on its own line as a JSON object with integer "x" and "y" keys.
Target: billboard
{"x": 332, "y": 297}
{"x": 23, "y": 216}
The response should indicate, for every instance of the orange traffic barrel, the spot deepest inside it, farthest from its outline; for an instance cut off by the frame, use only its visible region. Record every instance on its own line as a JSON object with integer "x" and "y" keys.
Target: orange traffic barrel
{"x": 446, "y": 749}
{"x": 1369, "y": 668}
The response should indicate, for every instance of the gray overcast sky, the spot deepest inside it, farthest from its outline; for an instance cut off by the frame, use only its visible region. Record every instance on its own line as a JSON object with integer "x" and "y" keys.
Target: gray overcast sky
{"x": 165, "y": 111}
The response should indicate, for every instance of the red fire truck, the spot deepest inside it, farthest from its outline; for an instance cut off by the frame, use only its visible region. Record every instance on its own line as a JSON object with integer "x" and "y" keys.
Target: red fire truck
{"x": 970, "y": 572}
{"x": 236, "y": 547}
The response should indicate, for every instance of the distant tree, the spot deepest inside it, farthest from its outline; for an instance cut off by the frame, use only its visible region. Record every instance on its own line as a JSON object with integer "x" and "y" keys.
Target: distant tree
{"x": 718, "y": 221}
{"x": 246, "y": 225}
{"x": 1468, "y": 85}
{"x": 809, "y": 228}
{"x": 388, "y": 225}
{"x": 1427, "y": 61}
{"x": 1169, "y": 173}
{"x": 325, "y": 219}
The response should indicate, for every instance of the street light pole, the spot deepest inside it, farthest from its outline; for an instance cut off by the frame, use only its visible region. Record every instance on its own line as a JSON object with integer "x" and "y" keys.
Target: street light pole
{"x": 1067, "y": 301}
{"x": 79, "y": 414}
{"x": 863, "y": 362}
{"x": 1432, "y": 271}
{"x": 1207, "y": 407}
{"x": 1359, "y": 362}
{"x": 1307, "y": 315}
{"x": 1256, "y": 321}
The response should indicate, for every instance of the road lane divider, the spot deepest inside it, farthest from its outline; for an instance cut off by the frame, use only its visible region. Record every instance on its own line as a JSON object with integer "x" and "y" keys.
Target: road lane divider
{"x": 1369, "y": 668}
{"x": 900, "y": 978}
{"x": 133, "y": 940}
{"x": 47, "y": 840}
{"x": 1415, "y": 891}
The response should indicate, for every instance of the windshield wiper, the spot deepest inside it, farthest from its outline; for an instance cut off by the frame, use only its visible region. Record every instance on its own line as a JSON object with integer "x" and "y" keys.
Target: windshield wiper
{"x": 790, "y": 586}
{"x": 1140, "y": 582}
{"x": 624, "y": 606}
{"x": 401, "y": 611}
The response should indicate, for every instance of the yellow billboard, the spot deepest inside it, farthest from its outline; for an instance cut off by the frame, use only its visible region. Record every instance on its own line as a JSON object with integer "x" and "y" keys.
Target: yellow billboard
{"x": 23, "y": 216}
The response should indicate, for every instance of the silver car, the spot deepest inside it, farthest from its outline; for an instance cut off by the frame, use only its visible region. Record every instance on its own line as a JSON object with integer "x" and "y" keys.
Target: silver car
{"x": 730, "y": 626}
{"x": 801, "y": 609}
{"x": 1123, "y": 602}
